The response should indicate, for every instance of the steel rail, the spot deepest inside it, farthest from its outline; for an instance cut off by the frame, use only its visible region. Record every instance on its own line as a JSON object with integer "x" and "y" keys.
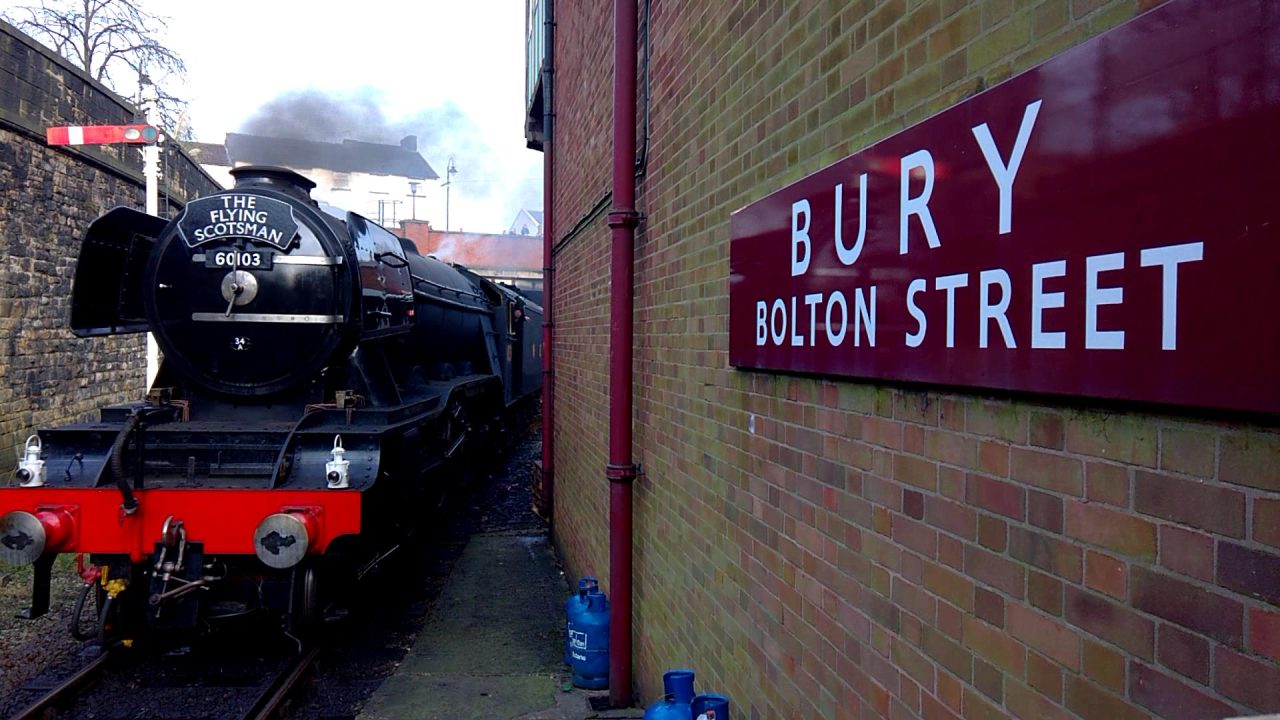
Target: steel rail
{"x": 266, "y": 705}
{"x": 65, "y": 689}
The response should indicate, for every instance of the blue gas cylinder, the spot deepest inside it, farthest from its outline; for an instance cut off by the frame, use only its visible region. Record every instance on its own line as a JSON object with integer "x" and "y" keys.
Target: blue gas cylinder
{"x": 589, "y": 644}
{"x": 710, "y": 707}
{"x": 573, "y": 608}
{"x": 679, "y": 685}
{"x": 668, "y": 709}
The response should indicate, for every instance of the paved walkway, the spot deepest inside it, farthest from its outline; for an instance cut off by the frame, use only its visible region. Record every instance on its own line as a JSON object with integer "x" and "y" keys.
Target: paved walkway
{"x": 493, "y": 646}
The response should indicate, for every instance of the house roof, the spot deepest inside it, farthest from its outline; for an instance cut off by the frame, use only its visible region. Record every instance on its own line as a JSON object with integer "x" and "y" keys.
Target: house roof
{"x": 208, "y": 153}
{"x": 347, "y": 156}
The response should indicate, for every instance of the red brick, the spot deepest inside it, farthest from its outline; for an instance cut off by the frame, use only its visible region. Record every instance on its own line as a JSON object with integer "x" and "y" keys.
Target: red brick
{"x": 1045, "y": 676}
{"x": 1246, "y": 680}
{"x": 1051, "y": 471}
{"x": 1187, "y": 552}
{"x": 916, "y": 536}
{"x": 950, "y": 586}
{"x": 913, "y": 439}
{"x": 1217, "y": 616}
{"x": 1206, "y": 505}
{"x": 950, "y": 619}
{"x": 951, "y": 448}
{"x": 1045, "y": 592}
{"x": 988, "y": 606}
{"x": 1045, "y": 635}
{"x": 1046, "y": 430}
{"x": 953, "y": 517}
{"x": 1044, "y": 511}
{"x": 948, "y": 654}
{"x": 993, "y": 533}
{"x": 1182, "y": 652}
{"x": 913, "y": 504}
{"x": 1107, "y": 483}
{"x": 914, "y": 664}
{"x": 1251, "y": 459}
{"x": 994, "y": 570}
{"x": 1090, "y": 701}
{"x": 1046, "y": 552}
{"x": 1264, "y": 633}
{"x": 999, "y": 497}
{"x": 1107, "y": 528}
{"x": 1103, "y": 664}
{"x": 950, "y": 691}
{"x": 1266, "y": 521}
{"x": 1172, "y": 698}
{"x": 1128, "y": 439}
{"x": 976, "y": 707}
{"x": 995, "y": 419}
{"x": 1111, "y": 622}
{"x": 1249, "y": 571}
{"x": 1106, "y": 575}
{"x": 1026, "y": 703}
{"x": 994, "y": 645}
{"x": 1188, "y": 451}
{"x": 993, "y": 458}
{"x": 951, "y": 482}
{"x": 950, "y": 552}
{"x": 915, "y": 471}
{"x": 988, "y": 680}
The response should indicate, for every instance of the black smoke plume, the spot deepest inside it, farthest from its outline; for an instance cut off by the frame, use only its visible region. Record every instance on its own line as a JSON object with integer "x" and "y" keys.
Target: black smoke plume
{"x": 442, "y": 131}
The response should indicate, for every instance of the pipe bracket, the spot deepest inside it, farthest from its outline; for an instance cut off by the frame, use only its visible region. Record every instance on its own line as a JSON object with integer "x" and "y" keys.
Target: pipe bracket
{"x": 624, "y": 218}
{"x": 621, "y": 473}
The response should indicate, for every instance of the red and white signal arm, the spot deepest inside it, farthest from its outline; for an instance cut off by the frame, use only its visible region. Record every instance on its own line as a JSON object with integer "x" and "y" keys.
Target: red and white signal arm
{"x": 102, "y": 134}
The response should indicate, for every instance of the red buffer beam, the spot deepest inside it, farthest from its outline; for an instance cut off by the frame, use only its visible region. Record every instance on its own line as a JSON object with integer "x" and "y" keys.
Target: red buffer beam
{"x": 101, "y": 134}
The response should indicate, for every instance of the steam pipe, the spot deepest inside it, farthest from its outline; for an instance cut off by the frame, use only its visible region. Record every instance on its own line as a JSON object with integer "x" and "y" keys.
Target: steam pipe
{"x": 548, "y": 268}
{"x": 621, "y": 472}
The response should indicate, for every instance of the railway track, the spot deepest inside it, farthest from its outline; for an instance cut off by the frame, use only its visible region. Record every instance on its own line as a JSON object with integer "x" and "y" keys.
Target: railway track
{"x": 67, "y": 697}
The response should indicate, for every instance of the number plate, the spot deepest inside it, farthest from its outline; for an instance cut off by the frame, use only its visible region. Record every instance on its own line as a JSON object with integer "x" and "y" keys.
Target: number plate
{"x": 243, "y": 259}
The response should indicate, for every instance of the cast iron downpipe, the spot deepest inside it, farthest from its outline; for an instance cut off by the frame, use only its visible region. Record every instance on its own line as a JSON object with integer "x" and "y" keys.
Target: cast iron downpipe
{"x": 621, "y": 472}
{"x": 548, "y": 268}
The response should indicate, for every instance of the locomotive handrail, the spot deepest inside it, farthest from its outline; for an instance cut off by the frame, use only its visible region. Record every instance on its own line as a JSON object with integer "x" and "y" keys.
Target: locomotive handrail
{"x": 419, "y": 278}
{"x": 447, "y": 302}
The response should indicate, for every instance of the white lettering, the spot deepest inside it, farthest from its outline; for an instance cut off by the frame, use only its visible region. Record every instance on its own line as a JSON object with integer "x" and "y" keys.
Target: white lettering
{"x": 799, "y": 236}
{"x": 812, "y": 300}
{"x": 797, "y": 340}
{"x": 778, "y": 330}
{"x": 950, "y": 283}
{"x": 922, "y": 161}
{"x": 1168, "y": 258}
{"x": 837, "y": 298}
{"x": 988, "y": 312}
{"x": 866, "y": 318}
{"x": 1095, "y": 339}
{"x": 849, "y": 256}
{"x": 1041, "y": 301}
{"x": 917, "y": 286}
{"x": 1006, "y": 173}
{"x": 762, "y": 322}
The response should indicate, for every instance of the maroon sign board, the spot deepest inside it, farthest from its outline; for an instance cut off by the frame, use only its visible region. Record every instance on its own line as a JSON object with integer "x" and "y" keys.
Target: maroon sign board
{"x": 1106, "y": 224}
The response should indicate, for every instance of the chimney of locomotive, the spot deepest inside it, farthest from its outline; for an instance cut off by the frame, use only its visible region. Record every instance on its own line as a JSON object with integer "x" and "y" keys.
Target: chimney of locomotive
{"x": 275, "y": 178}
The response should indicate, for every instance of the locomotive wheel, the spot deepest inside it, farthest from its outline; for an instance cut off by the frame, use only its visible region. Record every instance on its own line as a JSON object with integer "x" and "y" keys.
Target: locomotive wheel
{"x": 305, "y": 608}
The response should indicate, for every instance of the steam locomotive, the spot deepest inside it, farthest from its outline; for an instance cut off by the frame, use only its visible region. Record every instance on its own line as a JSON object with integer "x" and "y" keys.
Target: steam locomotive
{"x": 317, "y": 371}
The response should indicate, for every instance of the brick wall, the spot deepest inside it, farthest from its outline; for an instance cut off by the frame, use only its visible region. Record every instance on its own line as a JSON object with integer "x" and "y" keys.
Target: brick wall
{"x": 827, "y": 549}
{"x": 48, "y": 197}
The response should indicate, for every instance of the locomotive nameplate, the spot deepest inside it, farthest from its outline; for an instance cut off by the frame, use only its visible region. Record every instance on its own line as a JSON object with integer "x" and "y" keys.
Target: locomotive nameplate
{"x": 234, "y": 216}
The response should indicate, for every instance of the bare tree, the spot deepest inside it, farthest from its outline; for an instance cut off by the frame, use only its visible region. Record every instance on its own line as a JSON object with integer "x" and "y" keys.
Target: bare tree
{"x": 112, "y": 40}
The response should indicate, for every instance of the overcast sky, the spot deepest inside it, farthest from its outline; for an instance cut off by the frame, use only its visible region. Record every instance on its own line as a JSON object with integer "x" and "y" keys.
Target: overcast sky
{"x": 452, "y": 70}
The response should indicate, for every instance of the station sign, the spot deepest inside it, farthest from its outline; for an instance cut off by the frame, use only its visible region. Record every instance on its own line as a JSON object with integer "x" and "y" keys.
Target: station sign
{"x": 1106, "y": 225}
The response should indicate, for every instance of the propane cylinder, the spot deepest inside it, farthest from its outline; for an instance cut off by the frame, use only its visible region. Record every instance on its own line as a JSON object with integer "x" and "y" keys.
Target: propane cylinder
{"x": 573, "y": 608}
{"x": 589, "y": 644}
{"x": 668, "y": 709}
{"x": 710, "y": 707}
{"x": 679, "y": 684}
